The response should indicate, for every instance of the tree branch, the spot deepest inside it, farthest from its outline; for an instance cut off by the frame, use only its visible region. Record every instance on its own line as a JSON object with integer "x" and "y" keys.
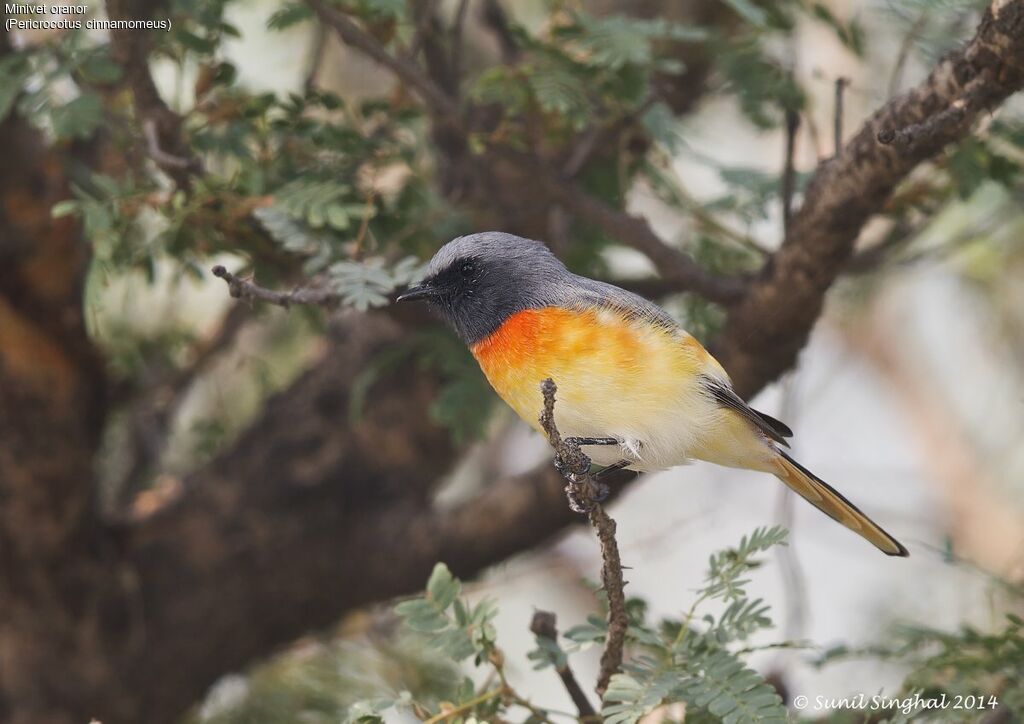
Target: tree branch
{"x": 585, "y": 495}
{"x": 495, "y": 19}
{"x": 632, "y": 231}
{"x": 673, "y": 264}
{"x": 838, "y": 112}
{"x": 545, "y": 625}
{"x": 247, "y": 289}
{"x": 153, "y": 408}
{"x": 161, "y": 126}
{"x": 767, "y": 329}
{"x": 351, "y": 34}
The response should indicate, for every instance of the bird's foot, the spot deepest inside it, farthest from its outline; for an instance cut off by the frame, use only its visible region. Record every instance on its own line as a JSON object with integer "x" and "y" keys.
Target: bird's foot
{"x": 576, "y": 504}
{"x": 577, "y": 441}
{"x": 583, "y": 494}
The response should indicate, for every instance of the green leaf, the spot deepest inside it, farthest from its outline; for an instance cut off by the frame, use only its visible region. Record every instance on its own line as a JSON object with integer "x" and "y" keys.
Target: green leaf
{"x": 850, "y": 34}
{"x": 734, "y": 693}
{"x": 392, "y": 8}
{"x": 191, "y": 41}
{"x": 296, "y": 237}
{"x": 99, "y": 67}
{"x": 663, "y": 125}
{"x": 615, "y": 41}
{"x": 368, "y": 711}
{"x": 288, "y": 15}
{"x": 548, "y": 653}
{"x": 748, "y": 11}
{"x": 628, "y": 699}
{"x": 77, "y": 118}
{"x": 337, "y": 217}
{"x": 442, "y": 587}
{"x": 558, "y": 89}
{"x": 363, "y": 284}
{"x": 65, "y": 208}
{"x": 14, "y": 70}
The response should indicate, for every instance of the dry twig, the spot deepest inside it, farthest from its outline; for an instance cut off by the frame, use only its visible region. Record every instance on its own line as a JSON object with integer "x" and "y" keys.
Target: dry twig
{"x": 788, "y": 169}
{"x": 545, "y": 625}
{"x": 351, "y": 34}
{"x": 247, "y": 289}
{"x": 585, "y": 495}
{"x": 837, "y": 120}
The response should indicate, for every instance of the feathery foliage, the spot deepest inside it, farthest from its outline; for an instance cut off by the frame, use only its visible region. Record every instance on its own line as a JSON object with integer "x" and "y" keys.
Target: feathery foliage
{"x": 676, "y": 660}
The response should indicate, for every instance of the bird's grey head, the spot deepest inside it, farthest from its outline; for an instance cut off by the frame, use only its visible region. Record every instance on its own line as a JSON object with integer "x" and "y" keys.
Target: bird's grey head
{"x": 476, "y": 282}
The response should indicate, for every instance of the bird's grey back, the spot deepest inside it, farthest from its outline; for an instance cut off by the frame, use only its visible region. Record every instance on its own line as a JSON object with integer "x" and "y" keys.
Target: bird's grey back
{"x": 592, "y": 293}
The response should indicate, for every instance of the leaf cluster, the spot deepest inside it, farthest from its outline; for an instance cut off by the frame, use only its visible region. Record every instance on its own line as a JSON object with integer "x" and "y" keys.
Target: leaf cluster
{"x": 674, "y": 660}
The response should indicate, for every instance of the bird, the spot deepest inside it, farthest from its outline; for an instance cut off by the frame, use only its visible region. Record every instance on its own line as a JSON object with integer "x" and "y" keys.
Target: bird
{"x": 634, "y": 388}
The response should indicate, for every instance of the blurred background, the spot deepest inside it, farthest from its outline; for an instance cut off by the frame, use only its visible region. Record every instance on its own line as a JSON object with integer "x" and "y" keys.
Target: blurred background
{"x": 209, "y": 501}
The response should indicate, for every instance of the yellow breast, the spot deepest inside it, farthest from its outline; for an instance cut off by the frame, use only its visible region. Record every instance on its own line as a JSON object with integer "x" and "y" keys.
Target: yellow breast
{"x": 615, "y": 375}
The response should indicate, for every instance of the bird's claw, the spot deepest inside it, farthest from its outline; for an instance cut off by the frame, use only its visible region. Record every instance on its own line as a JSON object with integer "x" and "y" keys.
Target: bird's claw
{"x": 583, "y": 495}
{"x": 577, "y": 504}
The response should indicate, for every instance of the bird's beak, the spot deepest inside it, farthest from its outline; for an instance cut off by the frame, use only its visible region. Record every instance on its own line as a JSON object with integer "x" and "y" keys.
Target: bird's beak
{"x": 418, "y": 291}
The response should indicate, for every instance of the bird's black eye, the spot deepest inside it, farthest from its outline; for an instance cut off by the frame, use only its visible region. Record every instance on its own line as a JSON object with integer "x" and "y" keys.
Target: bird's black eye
{"x": 467, "y": 269}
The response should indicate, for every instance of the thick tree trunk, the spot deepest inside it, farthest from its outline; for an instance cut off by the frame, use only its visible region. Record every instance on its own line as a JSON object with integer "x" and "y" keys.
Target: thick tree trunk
{"x": 53, "y": 575}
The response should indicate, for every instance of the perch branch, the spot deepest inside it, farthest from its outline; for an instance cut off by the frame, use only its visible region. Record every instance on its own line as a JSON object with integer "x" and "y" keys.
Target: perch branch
{"x": 545, "y": 625}
{"x": 247, "y": 289}
{"x": 585, "y": 495}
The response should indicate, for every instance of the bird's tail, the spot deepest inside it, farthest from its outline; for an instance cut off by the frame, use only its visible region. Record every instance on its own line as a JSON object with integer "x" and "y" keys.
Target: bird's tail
{"x": 829, "y": 501}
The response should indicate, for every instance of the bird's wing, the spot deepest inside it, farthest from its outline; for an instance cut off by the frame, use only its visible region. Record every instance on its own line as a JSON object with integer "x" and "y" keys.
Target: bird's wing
{"x": 726, "y": 397}
{"x": 592, "y": 293}
{"x": 588, "y": 292}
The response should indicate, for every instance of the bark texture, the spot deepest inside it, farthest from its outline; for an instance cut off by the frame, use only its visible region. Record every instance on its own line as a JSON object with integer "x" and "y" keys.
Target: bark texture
{"x": 767, "y": 330}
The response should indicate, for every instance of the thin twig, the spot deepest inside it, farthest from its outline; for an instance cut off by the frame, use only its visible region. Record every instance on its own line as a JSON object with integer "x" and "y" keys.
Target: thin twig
{"x": 596, "y": 137}
{"x": 351, "y": 34}
{"x": 495, "y": 19}
{"x": 466, "y": 706}
{"x": 584, "y": 494}
{"x": 841, "y": 84}
{"x": 904, "y": 52}
{"x": 161, "y": 126}
{"x": 162, "y": 158}
{"x": 545, "y": 625}
{"x": 707, "y": 220}
{"x": 788, "y": 169}
{"x": 157, "y": 405}
{"x": 456, "y": 39}
{"x": 247, "y": 289}
{"x": 634, "y": 231}
{"x": 316, "y": 57}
